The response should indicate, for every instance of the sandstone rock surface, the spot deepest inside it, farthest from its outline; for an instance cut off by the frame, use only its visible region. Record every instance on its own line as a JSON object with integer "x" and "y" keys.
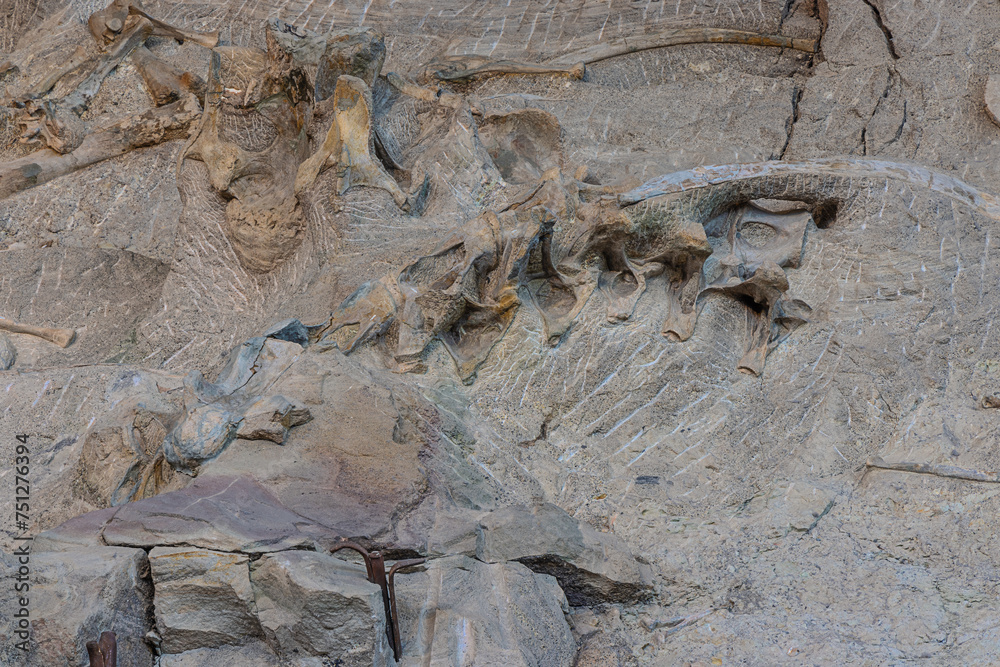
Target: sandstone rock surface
{"x": 203, "y": 599}
{"x": 75, "y": 596}
{"x": 465, "y": 611}
{"x": 315, "y": 606}
{"x": 222, "y": 513}
{"x": 691, "y": 305}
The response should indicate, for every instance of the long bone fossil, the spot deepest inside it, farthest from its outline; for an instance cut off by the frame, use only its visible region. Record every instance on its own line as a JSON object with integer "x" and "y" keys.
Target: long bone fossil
{"x": 61, "y": 337}
{"x": 573, "y": 63}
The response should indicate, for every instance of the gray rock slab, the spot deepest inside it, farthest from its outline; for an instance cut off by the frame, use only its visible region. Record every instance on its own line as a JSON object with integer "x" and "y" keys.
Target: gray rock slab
{"x": 255, "y": 654}
{"x": 465, "y": 612}
{"x": 313, "y": 605}
{"x": 203, "y": 598}
{"x": 290, "y": 330}
{"x": 222, "y": 513}
{"x": 73, "y": 597}
{"x": 205, "y": 432}
{"x": 591, "y": 567}
{"x": 8, "y": 354}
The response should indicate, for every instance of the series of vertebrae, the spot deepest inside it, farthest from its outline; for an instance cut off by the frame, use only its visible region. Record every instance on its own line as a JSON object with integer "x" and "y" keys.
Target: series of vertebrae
{"x": 530, "y": 228}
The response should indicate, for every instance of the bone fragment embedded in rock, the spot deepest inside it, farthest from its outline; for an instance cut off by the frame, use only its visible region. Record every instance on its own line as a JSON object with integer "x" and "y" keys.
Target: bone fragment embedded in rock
{"x": 61, "y": 337}
{"x": 460, "y": 67}
{"x": 357, "y": 165}
{"x": 164, "y": 82}
{"x": 106, "y": 25}
{"x": 152, "y": 127}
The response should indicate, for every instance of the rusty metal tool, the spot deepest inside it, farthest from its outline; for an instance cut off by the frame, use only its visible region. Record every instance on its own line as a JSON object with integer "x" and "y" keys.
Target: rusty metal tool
{"x": 375, "y": 564}
{"x": 104, "y": 653}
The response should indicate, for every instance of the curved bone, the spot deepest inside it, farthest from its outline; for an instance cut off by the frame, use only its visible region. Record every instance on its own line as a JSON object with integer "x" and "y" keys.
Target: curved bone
{"x": 573, "y": 64}
{"x": 705, "y": 191}
{"x": 106, "y": 25}
{"x": 133, "y": 36}
{"x": 207, "y": 39}
{"x": 61, "y": 337}
{"x": 468, "y": 66}
{"x": 56, "y": 122}
{"x": 633, "y": 44}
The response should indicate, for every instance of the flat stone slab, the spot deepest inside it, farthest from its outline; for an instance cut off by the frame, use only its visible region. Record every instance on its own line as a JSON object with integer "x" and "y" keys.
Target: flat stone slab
{"x": 256, "y": 654}
{"x": 79, "y": 532}
{"x": 221, "y": 513}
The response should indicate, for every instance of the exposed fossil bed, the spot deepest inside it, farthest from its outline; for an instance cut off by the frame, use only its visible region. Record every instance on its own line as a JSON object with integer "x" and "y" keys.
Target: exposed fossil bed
{"x": 663, "y": 330}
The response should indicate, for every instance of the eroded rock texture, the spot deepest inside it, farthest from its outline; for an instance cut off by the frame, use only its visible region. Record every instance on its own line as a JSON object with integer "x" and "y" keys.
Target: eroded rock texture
{"x": 664, "y": 331}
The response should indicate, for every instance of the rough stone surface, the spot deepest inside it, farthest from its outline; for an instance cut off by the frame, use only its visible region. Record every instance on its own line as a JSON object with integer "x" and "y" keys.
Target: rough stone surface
{"x": 254, "y": 654}
{"x": 592, "y": 567}
{"x": 203, "y": 598}
{"x": 223, "y": 513}
{"x": 8, "y": 354}
{"x": 77, "y": 533}
{"x": 74, "y": 596}
{"x": 681, "y": 283}
{"x": 463, "y": 611}
{"x": 992, "y": 98}
{"x": 312, "y": 605}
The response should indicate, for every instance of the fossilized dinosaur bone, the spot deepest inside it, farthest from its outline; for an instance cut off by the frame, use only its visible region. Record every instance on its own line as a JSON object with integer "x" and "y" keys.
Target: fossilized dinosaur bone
{"x": 573, "y": 63}
{"x": 617, "y": 251}
{"x": 106, "y": 24}
{"x": 699, "y": 195}
{"x": 353, "y": 103}
{"x": 57, "y": 122}
{"x": 165, "y": 82}
{"x": 460, "y": 67}
{"x": 152, "y": 127}
{"x": 61, "y": 337}
{"x": 633, "y": 44}
{"x": 701, "y": 192}
{"x": 350, "y": 146}
{"x": 463, "y": 294}
{"x": 760, "y": 294}
{"x": 79, "y": 57}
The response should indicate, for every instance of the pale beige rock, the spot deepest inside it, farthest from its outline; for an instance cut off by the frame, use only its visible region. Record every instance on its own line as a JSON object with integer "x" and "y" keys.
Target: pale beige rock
{"x": 203, "y": 598}
{"x": 591, "y": 567}
{"x": 73, "y": 597}
{"x": 253, "y": 654}
{"x": 270, "y": 418}
{"x": 747, "y": 493}
{"x": 992, "y": 98}
{"x": 312, "y": 605}
{"x": 467, "y": 612}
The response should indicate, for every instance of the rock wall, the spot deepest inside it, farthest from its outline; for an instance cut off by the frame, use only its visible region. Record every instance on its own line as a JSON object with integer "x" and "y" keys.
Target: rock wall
{"x": 663, "y": 331}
